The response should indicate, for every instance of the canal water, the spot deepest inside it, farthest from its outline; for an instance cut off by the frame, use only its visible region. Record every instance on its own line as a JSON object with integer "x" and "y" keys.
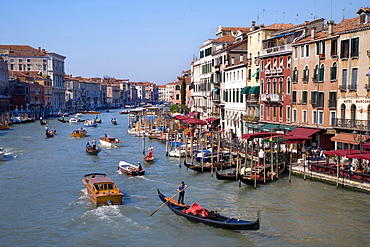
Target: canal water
{"x": 44, "y": 202}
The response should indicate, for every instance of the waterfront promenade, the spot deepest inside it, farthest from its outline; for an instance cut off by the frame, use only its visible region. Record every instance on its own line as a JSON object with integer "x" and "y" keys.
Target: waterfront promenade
{"x": 343, "y": 182}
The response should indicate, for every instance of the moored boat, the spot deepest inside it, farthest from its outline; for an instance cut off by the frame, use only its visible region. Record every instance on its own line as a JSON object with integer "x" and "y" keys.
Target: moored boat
{"x": 129, "y": 169}
{"x": 110, "y": 141}
{"x": 91, "y": 112}
{"x": 207, "y": 167}
{"x": 102, "y": 190}
{"x": 197, "y": 213}
{"x": 124, "y": 112}
{"x": 231, "y": 176}
{"x": 78, "y": 133}
{"x": 256, "y": 175}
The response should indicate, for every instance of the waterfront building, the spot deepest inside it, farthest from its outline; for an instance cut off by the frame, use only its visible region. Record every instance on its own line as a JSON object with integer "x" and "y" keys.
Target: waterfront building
{"x": 161, "y": 93}
{"x": 56, "y": 72}
{"x": 4, "y": 88}
{"x": 276, "y": 76}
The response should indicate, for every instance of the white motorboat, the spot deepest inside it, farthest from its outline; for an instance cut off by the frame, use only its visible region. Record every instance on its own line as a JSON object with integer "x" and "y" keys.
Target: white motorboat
{"x": 73, "y": 120}
{"x": 110, "y": 141}
{"x": 2, "y": 153}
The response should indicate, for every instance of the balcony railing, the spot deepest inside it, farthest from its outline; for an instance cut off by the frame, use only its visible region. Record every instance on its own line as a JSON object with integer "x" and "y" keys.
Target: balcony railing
{"x": 343, "y": 88}
{"x": 352, "y": 87}
{"x": 367, "y": 87}
{"x": 276, "y": 49}
{"x": 305, "y": 79}
{"x": 362, "y": 125}
{"x": 271, "y": 98}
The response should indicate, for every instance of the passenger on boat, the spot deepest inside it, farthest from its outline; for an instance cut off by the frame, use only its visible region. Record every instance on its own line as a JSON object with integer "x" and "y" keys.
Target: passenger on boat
{"x": 181, "y": 189}
{"x": 93, "y": 143}
{"x": 150, "y": 149}
{"x": 139, "y": 167}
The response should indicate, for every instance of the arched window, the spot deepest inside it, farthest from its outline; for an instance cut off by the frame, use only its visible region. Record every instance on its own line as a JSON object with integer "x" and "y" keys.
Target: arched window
{"x": 322, "y": 72}
{"x": 274, "y": 87}
{"x": 295, "y": 75}
{"x": 306, "y": 74}
{"x": 343, "y": 112}
{"x": 268, "y": 86}
{"x": 353, "y": 115}
{"x": 281, "y": 89}
{"x": 288, "y": 86}
{"x": 333, "y": 72}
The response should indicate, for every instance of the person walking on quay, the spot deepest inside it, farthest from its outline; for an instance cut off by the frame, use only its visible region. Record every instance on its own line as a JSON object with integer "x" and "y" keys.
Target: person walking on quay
{"x": 181, "y": 190}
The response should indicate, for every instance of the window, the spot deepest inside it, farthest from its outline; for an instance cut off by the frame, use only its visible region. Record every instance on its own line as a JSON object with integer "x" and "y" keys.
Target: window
{"x": 333, "y": 72}
{"x": 314, "y": 97}
{"x": 344, "y": 78}
{"x": 268, "y": 112}
{"x": 354, "y": 78}
{"x": 281, "y": 111}
{"x": 177, "y": 87}
{"x": 315, "y": 73}
{"x": 321, "y": 117}
{"x": 321, "y": 72}
{"x": 295, "y": 75}
{"x": 354, "y": 47}
{"x": 261, "y": 110}
{"x": 334, "y": 47}
{"x": 306, "y": 73}
{"x": 28, "y": 60}
{"x": 289, "y": 63}
{"x": 332, "y": 118}
{"x": 19, "y": 66}
{"x": 241, "y": 97}
{"x": 304, "y": 97}
{"x": 281, "y": 89}
{"x": 268, "y": 86}
{"x": 332, "y": 100}
{"x": 344, "y": 48}
{"x": 288, "y": 113}
{"x": 294, "y": 97}
{"x": 307, "y": 50}
{"x": 314, "y": 116}
{"x": 20, "y": 60}
{"x": 295, "y": 52}
{"x": 294, "y": 115}
{"x": 304, "y": 116}
{"x": 288, "y": 86}
{"x": 302, "y": 51}
{"x": 281, "y": 63}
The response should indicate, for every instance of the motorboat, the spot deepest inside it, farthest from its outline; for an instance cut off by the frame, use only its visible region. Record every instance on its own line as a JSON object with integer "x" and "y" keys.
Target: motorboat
{"x": 78, "y": 133}
{"x": 73, "y": 120}
{"x": 102, "y": 190}
{"x": 110, "y": 141}
{"x": 129, "y": 169}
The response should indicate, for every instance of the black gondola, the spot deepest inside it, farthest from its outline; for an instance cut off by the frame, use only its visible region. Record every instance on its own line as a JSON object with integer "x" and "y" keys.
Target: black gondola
{"x": 114, "y": 121}
{"x": 226, "y": 176}
{"x": 209, "y": 217}
{"x": 43, "y": 122}
{"x": 63, "y": 120}
{"x": 258, "y": 176}
{"x": 208, "y": 168}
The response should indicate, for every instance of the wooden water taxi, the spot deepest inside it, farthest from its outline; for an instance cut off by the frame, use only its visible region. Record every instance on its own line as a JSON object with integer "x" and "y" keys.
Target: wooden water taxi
{"x": 78, "y": 133}
{"x": 4, "y": 126}
{"x": 91, "y": 112}
{"x": 102, "y": 190}
{"x": 110, "y": 141}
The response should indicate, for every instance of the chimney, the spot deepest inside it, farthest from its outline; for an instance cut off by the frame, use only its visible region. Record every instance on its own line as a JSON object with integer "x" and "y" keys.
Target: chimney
{"x": 313, "y": 32}
{"x": 39, "y": 48}
{"x": 253, "y": 26}
{"x": 331, "y": 27}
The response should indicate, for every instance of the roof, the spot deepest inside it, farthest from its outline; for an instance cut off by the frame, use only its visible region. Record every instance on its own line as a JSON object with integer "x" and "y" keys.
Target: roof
{"x": 23, "y": 50}
{"x": 279, "y": 26}
{"x": 345, "y": 138}
{"x": 98, "y": 180}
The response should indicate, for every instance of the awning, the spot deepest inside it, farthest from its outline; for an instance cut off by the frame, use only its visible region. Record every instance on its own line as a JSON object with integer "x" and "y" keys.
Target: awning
{"x": 180, "y": 117}
{"x": 257, "y": 71}
{"x": 269, "y": 127}
{"x": 366, "y": 145}
{"x": 258, "y": 135}
{"x": 286, "y": 127}
{"x": 254, "y": 90}
{"x": 245, "y": 90}
{"x": 191, "y": 114}
{"x": 212, "y": 119}
{"x": 303, "y": 131}
{"x": 343, "y": 152}
{"x": 253, "y": 126}
{"x": 195, "y": 121}
{"x": 345, "y": 138}
{"x": 363, "y": 156}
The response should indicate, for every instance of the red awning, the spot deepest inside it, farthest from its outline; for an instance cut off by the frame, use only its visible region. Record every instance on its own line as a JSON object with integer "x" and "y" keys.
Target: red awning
{"x": 296, "y": 138}
{"x": 363, "y": 156}
{"x": 344, "y": 152}
{"x": 345, "y": 138}
{"x": 195, "y": 121}
{"x": 259, "y": 135}
{"x": 212, "y": 119}
{"x": 366, "y": 145}
{"x": 303, "y": 132}
{"x": 191, "y": 114}
{"x": 180, "y": 117}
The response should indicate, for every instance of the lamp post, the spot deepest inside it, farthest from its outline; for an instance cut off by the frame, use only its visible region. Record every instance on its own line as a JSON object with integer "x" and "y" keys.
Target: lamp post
{"x": 360, "y": 138}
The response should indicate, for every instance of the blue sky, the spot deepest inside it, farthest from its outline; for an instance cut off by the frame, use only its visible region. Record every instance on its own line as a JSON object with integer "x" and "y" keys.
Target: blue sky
{"x": 145, "y": 40}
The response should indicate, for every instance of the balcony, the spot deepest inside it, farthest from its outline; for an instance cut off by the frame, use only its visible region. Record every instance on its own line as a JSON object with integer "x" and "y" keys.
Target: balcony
{"x": 279, "y": 70}
{"x": 271, "y": 98}
{"x": 252, "y": 99}
{"x": 367, "y": 87}
{"x": 352, "y": 87}
{"x": 362, "y": 125}
{"x": 276, "y": 50}
{"x": 343, "y": 88}
{"x": 267, "y": 72}
{"x": 273, "y": 71}
{"x": 305, "y": 79}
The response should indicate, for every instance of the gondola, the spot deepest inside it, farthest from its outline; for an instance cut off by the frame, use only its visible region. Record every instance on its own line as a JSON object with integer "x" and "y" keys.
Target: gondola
{"x": 92, "y": 151}
{"x": 114, "y": 121}
{"x": 257, "y": 176}
{"x": 208, "y": 166}
{"x": 63, "y": 120}
{"x": 43, "y": 122}
{"x": 226, "y": 176}
{"x": 210, "y": 218}
{"x": 50, "y": 133}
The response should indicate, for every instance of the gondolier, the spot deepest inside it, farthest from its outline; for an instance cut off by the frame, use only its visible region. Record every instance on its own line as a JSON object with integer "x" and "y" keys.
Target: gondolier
{"x": 181, "y": 190}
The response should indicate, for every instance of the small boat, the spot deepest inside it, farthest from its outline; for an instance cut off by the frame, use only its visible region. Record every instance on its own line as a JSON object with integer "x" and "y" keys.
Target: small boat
{"x": 207, "y": 167}
{"x": 110, "y": 141}
{"x": 129, "y": 169}
{"x": 63, "y": 120}
{"x": 78, "y": 133}
{"x": 197, "y": 213}
{"x": 2, "y": 153}
{"x": 91, "y": 150}
{"x": 124, "y": 112}
{"x": 97, "y": 120}
{"x": 43, "y": 122}
{"x": 226, "y": 176}
{"x": 90, "y": 123}
{"x": 256, "y": 175}
{"x": 102, "y": 190}
{"x": 91, "y": 112}
{"x": 50, "y": 133}
{"x": 73, "y": 120}
{"x": 114, "y": 121}
{"x": 150, "y": 156}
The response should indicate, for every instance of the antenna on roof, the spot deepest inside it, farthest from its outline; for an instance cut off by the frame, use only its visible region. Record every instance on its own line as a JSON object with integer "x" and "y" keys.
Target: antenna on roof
{"x": 258, "y": 19}
{"x": 284, "y": 17}
{"x": 263, "y": 16}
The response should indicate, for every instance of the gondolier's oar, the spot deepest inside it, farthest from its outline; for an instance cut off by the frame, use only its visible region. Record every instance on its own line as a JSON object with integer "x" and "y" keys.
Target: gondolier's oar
{"x": 165, "y": 202}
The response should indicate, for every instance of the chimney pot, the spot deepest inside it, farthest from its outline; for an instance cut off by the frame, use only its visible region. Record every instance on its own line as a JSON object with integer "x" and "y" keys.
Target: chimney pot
{"x": 313, "y": 32}
{"x": 331, "y": 27}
